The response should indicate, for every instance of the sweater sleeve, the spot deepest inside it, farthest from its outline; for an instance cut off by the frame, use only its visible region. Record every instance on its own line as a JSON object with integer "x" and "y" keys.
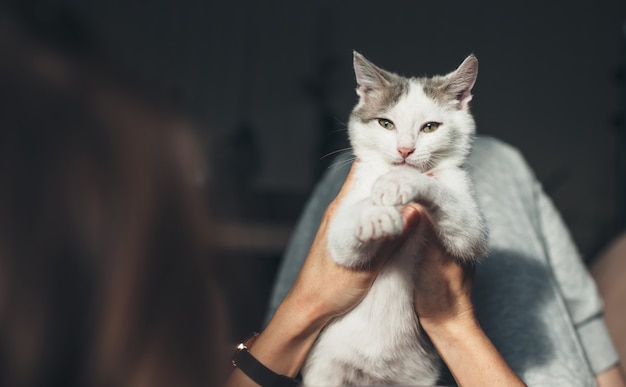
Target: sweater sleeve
{"x": 576, "y": 286}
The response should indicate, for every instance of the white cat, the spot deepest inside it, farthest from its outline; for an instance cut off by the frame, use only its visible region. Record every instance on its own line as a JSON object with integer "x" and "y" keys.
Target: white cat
{"x": 411, "y": 136}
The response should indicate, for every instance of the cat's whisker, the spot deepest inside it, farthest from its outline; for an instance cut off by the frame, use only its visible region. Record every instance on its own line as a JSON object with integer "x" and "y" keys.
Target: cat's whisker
{"x": 341, "y": 123}
{"x": 335, "y": 152}
{"x": 342, "y": 163}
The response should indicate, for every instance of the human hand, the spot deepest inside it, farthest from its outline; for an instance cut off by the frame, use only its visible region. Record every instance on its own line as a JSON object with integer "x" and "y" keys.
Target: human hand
{"x": 443, "y": 304}
{"x": 323, "y": 290}
{"x": 443, "y": 286}
{"x": 327, "y": 289}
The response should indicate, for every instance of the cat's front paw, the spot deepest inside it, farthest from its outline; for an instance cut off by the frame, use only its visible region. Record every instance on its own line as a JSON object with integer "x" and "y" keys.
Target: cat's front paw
{"x": 397, "y": 189}
{"x": 379, "y": 222}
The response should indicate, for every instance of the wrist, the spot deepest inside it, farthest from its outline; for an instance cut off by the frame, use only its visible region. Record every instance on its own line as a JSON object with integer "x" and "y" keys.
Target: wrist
{"x": 457, "y": 310}
{"x": 469, "y": 353}
{"x": 450, "y": 327}
{"x": 307, "y": 315}
{"x": 309, "y": 308}
{"x": 285, "y": 342}
{"x": 254, "y": 370}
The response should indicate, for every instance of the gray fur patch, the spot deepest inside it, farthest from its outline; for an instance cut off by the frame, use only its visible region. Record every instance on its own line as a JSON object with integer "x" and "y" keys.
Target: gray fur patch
{"x": 380, "y": 101}
{"x": 360, "y": 377}
{"x": 435, "y": 89}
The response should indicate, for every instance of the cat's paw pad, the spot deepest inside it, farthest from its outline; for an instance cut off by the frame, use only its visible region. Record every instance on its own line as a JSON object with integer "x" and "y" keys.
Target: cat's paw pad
{"x": 393, "y": 191}
{"x": 379, "y": 222}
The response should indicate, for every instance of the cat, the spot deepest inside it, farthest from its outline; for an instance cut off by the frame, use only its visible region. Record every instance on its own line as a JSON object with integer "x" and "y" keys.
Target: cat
{"x": 411, "y": 137}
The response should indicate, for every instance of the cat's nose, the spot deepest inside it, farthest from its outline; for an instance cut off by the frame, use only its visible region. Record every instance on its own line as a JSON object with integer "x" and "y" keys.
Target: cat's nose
{"x": 405, "y": 152}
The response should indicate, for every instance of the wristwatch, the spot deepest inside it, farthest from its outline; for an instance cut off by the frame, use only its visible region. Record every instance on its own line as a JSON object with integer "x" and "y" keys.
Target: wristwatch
{"x": 256, "y": 371}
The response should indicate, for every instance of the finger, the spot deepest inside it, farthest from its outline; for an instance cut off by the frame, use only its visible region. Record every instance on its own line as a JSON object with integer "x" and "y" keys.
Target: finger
{"x": 412, "y": 213}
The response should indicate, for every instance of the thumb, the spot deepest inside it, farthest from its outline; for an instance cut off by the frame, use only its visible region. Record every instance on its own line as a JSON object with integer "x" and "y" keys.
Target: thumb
{"x": 412, "y": 213}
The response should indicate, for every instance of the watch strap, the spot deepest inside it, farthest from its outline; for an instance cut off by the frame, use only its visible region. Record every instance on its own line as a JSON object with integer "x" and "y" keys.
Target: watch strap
{"x": 258, "y": 372}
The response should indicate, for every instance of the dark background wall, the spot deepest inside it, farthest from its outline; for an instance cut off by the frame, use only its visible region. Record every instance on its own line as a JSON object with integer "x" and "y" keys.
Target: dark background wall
{"x": 270, "y": 85}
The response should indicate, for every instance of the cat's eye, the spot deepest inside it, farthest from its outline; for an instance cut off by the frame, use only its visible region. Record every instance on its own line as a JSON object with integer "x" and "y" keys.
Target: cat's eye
{"x": 386, "y": 123}
{"x": 430, "y": 127}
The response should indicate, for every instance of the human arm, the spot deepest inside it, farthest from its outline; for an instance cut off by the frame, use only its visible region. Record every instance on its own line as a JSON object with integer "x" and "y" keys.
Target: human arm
{"x": 443, "y": 304}
{"x": 608, "y": 271}
{"x": 312, "y": 303}
{"x": 445, "y": 311}
{"x": 304, "y": 236}
{"x": 612, "y": 377}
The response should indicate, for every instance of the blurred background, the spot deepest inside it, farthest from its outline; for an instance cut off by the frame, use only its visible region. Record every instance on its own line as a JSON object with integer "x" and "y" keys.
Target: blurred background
{"x": 270, "y": 85}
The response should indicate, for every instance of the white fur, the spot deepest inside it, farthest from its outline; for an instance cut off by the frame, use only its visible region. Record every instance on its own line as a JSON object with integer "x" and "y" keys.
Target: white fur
{"x": 380, "y": 340}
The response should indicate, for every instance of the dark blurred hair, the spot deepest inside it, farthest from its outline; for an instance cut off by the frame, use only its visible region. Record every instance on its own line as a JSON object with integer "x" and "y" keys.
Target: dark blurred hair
{"x": 103, "y": 231}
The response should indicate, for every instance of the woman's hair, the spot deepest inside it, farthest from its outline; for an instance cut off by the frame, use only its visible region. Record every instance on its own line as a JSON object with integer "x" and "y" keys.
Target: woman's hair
{"x": 104, "y": 271}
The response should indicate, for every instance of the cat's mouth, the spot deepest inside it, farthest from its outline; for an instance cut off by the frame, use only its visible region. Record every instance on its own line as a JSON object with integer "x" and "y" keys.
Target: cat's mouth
{"x": 405, "y": 163}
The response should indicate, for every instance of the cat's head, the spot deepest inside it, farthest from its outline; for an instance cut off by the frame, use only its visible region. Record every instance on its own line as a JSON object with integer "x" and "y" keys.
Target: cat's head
{"x": 419, "y": 122}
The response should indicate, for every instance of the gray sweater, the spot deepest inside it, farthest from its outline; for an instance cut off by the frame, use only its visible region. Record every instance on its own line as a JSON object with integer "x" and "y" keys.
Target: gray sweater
{"x": 533, "y": 295}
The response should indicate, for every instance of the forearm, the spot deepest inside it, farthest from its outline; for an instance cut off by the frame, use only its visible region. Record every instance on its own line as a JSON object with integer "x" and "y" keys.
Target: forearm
{"x": 322, "y": 291}
{"x": 470, "y": 355}
{"x": 613, "y": 377}
{"x": 285, "y": 342}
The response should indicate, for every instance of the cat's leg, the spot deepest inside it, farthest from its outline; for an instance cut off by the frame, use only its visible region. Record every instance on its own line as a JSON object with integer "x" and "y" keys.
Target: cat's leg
{"x": 455, "y": 215}
{"x": 358, "y": 229}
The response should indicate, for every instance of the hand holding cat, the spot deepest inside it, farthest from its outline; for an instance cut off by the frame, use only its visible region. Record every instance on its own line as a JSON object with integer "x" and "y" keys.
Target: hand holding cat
{"x": 342, "y": 288}
{"x": 443, "y": 304}
{"x": 443, "y": 286}
{"x": 323, "y": 290}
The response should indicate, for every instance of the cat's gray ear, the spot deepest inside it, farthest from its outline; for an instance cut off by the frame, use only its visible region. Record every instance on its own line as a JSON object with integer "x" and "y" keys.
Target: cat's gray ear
{"x": 459, "y": 83}
{"x": 369, "y": 77}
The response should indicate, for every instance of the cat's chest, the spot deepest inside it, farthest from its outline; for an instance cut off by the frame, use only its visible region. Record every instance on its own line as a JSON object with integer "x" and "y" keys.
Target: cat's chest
{"x": 368, "y": 175}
